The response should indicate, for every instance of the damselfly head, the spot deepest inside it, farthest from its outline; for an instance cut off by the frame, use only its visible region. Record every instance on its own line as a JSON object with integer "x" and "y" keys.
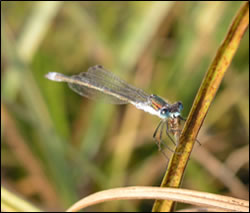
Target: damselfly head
{"x": 175, "y": 109}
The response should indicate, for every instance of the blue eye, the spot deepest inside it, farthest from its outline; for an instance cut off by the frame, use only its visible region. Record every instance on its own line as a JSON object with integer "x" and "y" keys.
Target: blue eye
{"x": 165, "y": 112}
{"x": 180, "y": 105}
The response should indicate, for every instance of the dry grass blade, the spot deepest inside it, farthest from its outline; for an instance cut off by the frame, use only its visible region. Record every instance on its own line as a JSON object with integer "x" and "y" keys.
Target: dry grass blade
{"x": 181, "y": 195}
{"x": 222, "y": 172}
{"x": 204, "y": 98}
{"x": 16, "y": 142}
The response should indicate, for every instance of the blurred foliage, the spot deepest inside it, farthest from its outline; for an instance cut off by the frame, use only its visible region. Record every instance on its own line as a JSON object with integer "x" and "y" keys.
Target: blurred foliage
{"x": 58, "y": 147}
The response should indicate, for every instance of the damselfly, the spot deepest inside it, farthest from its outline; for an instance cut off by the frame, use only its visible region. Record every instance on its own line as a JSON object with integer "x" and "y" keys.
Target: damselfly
{"x": 98, "y": 82}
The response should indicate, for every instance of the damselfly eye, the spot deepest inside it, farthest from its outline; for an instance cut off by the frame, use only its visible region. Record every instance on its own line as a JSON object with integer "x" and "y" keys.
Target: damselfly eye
{"x": 180, "y": 105}
{"x": 165, "y": 112}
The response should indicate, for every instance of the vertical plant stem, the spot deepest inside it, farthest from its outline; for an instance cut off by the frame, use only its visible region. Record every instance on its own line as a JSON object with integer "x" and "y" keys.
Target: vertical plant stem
{"x": 202, "y": 102}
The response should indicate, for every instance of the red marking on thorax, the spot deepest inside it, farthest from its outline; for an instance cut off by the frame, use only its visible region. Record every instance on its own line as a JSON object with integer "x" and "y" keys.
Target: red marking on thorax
{"x": 156, "y": 105}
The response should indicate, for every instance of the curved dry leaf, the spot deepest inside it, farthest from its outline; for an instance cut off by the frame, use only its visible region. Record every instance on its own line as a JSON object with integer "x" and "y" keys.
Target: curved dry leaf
{"x": 181, "y": 195}
{"x": 201, "y": 209}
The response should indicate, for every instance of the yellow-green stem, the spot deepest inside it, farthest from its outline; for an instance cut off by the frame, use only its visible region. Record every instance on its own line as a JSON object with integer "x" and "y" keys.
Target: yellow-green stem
{"x": 203, "y": 100}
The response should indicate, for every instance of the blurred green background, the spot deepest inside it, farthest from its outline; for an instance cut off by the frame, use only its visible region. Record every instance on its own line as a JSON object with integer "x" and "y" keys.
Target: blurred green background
{"x": 58, "y": 147}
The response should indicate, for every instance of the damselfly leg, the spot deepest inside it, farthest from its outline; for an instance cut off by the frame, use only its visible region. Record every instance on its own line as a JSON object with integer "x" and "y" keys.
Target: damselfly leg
{"x": 159, "y": 140}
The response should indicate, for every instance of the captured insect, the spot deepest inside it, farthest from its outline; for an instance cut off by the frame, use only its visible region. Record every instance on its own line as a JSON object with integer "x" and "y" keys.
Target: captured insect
{"x": 98, "y": 82}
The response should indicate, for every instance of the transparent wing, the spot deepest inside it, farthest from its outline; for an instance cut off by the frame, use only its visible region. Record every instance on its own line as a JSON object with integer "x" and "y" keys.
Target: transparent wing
{"x": 99, "y": 83}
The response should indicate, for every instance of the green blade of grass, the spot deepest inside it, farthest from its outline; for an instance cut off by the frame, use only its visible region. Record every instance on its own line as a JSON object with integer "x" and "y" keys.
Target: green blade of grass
{"x": 203, "y": 100}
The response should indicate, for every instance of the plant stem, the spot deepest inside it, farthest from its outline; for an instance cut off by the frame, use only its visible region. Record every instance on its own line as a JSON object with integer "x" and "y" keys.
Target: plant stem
{"x": 202, "y": 102}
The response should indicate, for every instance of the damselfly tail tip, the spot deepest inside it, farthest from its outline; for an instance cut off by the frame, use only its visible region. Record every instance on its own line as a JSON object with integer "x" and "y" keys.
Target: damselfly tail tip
{"x": 54, "y": 76}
